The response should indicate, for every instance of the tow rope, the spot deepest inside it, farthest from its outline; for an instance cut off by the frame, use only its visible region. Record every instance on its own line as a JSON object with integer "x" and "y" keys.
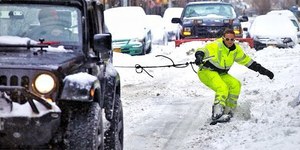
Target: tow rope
{"x": 141, "y": 69}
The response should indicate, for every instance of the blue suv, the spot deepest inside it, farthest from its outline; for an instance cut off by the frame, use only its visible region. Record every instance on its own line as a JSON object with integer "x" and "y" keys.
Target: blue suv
{"x": 208, "y": 20}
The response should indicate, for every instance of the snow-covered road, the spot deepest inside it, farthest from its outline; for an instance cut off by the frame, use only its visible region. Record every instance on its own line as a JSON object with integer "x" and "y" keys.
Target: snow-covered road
{"x": 172, "y": 110}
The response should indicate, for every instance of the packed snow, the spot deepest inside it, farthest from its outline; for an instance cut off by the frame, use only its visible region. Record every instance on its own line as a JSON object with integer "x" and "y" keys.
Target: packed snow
{"x": 172, "y": 110}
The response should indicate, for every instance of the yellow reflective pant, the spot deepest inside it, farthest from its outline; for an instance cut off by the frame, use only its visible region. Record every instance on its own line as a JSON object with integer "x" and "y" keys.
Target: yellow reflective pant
{"x": 227, "y": 87}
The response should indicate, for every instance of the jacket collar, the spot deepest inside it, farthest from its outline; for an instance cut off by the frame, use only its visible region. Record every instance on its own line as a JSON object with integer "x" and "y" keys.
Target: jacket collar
{"x": 233, "y": 47}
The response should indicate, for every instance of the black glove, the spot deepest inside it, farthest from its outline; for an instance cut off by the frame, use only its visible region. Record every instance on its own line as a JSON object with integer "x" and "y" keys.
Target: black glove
{"x": 266, "y": 72}
{"x": 258, "y": 68}
{"x": 199, "y": 57}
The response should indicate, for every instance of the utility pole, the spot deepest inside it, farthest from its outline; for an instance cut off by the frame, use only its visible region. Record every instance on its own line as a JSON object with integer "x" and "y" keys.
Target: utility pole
{"x": 125, "y": 2}
{"x": 169, "y": 3}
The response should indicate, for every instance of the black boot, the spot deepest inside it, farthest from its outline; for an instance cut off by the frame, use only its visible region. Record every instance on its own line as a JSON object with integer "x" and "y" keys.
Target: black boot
{"x": 217, "y": 111}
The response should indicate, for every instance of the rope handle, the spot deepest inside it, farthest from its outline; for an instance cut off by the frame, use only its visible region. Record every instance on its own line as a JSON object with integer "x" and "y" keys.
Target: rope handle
{"x": 141, "y": 69}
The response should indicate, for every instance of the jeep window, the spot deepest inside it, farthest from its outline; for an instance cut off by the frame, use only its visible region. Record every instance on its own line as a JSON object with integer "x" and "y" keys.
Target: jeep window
{"x": 203, "y": 10}
{"x": 56, "y": 24}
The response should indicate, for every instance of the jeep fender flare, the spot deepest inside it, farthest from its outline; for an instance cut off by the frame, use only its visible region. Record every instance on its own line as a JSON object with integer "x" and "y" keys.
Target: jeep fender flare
{"x": 80, "y": 87}
{"x": 111, "y": 87}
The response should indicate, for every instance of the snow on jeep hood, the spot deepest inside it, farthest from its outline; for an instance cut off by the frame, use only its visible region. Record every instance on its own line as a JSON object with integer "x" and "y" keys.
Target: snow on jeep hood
{"x": 16, "y": 40}
{"x": 52, "y": 57}
{"x": 46, "y": 59}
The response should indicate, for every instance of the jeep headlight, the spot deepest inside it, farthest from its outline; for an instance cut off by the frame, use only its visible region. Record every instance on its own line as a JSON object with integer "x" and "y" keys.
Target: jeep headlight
{"x": 44, "y": 83}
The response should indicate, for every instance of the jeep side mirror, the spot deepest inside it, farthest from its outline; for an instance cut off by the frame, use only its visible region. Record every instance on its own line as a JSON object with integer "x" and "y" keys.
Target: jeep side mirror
{"x": 176, "y": 20}
{"x": 102, "y": 43}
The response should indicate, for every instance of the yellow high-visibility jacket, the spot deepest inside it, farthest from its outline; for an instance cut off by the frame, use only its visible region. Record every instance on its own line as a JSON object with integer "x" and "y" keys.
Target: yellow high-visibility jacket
{"x": 222, "y": 57}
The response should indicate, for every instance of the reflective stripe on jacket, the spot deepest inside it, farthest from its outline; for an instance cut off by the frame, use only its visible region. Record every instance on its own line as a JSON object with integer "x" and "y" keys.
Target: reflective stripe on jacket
{"x": 222, "y": 57}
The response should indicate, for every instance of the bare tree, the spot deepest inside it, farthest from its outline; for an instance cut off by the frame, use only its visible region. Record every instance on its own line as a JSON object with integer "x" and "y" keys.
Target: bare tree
{"x": 262, "y": 6}
{"x": 286, "y": 4}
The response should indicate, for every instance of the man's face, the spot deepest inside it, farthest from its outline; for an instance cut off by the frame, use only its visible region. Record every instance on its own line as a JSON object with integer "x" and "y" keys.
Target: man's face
{"x": 229, "y": 39}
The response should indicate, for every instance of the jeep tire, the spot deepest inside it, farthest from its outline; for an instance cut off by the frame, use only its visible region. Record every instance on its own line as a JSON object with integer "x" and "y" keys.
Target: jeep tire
{"x": 84, "y": 128}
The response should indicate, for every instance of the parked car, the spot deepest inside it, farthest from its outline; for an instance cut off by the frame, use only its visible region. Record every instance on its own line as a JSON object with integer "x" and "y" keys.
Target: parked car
{"x": 273, "y": 30}
{"x": 129, "y": 31}
{"x": 291, "y": 16}
{"x": 246, "y": 25}
{"x": 207, "y": 20}
{"x": 158, "y": 29}
{"x": 173, "y": 29}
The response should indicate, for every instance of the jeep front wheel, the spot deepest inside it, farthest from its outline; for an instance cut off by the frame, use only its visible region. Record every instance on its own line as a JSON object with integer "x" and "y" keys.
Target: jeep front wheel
{"x": 84, "y": 129}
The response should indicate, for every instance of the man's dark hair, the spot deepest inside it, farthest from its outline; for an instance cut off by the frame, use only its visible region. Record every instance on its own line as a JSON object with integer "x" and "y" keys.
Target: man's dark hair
{"x": 228, "y": 31}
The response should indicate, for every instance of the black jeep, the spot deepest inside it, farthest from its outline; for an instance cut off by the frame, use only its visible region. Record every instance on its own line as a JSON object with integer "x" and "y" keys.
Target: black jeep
{"x": 208, "y": 20}
{"x": 58, "y": 87}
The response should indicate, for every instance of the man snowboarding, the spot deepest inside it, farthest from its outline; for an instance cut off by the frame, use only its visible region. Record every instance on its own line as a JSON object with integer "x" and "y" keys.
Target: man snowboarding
{"x": 214, "y": 73}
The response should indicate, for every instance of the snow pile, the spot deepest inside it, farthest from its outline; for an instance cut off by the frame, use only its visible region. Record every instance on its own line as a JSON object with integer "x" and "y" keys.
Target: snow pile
{"x": 156, "y": 109}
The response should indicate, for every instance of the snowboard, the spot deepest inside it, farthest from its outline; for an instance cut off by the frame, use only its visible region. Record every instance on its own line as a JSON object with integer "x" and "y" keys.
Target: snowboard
{"x": 223, "y": 119}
